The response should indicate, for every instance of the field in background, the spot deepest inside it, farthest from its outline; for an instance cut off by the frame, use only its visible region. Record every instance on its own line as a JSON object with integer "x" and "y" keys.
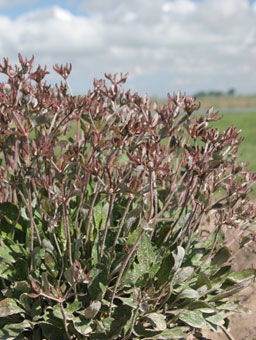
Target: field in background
{"x": 228, "y": 102}
{"x": 238, "y": 115}
{"x": 239, "y": 111}
{"x": 241, "y": 326}
{"x": 247, "y": 123}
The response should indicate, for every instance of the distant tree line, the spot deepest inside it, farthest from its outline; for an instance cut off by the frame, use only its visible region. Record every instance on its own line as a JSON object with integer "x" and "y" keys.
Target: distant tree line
{"x": 213, "y": 93}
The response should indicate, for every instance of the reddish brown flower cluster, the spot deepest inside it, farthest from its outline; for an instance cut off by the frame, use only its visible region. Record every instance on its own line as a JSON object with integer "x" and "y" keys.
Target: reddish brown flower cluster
{"x": 59, "y": 144}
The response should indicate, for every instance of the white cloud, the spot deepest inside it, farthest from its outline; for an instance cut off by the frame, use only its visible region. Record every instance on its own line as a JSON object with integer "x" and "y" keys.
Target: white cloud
{"x": 181, "y": 7}
{"x": 12, "y": 3}
{"x": 208, "y": 44}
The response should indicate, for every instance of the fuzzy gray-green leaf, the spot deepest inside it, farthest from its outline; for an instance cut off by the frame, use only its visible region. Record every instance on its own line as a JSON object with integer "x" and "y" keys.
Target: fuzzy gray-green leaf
{"x": 8, "y": 307}
{"x": 145, "y": 253}
{"x": 157, "y": 321}
{"x": 193, "y": 318}
{"x": 11, "y": 331}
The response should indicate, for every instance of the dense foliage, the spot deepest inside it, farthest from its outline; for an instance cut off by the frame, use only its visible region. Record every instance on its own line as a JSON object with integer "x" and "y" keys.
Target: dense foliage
{"x": 104, "y": 212}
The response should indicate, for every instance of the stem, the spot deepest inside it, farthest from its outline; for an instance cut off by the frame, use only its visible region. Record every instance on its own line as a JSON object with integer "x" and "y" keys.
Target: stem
{"x": 121, "y": 225}
{"x": 227, "y": 333}
{"x": 69, "y": 87}
{"x": 67, "y": 231}
{"x": 133, "y": 321}
{"x": 123, "y": 269}
{"x": 151, "y": 197}
{"x": 97, "y": 189}
{"x": 64, "y": 320}
{"x": 112, "y": 197}
{"x": 171, "y": 194}
{"x": 33, "y": 226}
{"x": 211, "y": 251}
{"x": 77, "y": 131}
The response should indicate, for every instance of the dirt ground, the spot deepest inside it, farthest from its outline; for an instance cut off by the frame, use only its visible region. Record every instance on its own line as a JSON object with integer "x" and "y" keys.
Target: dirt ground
{"x": 242, "y": 326}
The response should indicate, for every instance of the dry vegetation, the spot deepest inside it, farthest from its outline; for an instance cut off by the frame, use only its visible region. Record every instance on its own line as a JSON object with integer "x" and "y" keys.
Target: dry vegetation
{"x": 228, "y": 102}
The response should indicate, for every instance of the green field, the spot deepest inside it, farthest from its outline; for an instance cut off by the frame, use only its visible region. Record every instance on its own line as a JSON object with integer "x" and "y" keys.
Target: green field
{"x": 241, "y": 120}
{"x": 228, "y": 102}
{"x": 247, "y": 123}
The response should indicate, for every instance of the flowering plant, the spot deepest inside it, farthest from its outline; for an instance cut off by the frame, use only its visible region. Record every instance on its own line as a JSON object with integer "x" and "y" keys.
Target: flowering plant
{"x": 103, "y": 212}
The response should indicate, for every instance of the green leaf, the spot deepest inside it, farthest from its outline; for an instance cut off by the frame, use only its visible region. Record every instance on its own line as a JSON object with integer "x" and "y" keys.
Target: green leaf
{"x": 234, "y": 307}
{"x": 242, "y": 275}
{"x": 202, "y": 280}
{"x": 189, "y": 294}
{"x": 220, "y": 275}
{"x": 36, "y": 254}
{"x": 106, "y": 323}
{"x": 174, "y": 333}
{"x": 133, "y": 236}
{"x": 193, "y": 318}
{"x": 91, "y": 311}
{"x": 22, "y": 286}
{"x": 5, "y": 226}
{"x": 36, "y": 310}
{"x": 50, "y": 263}
{"x": 131, "y": 218}
{"x": 97, "y": 286}
{"x": 202, "y": 306}
{"x": 41, "y": 119}
{"x": 221, "y": 257}
{"x": 10, "y": 254}
{"x": 8, "y": 307}
{"x": 145, "y": 253}
{"x": 6, "y": 255}
{"x": 217, "y": 319}
{"x": 6, "y": 270}
{"x": 25, "y": 301}
{"x": 78, "y": 245}
{"x": 164, "y": 272}
{"x": 183, "y": 274}
{"x": 245, "y": 240}
{"x": 22, "y": 269}
{"x": 133, "y": 275}
{"x": 69, "y": 310}
{"x": 47, "y": 244}
{"x": 170, "y": 265}
{"x": 157, "y": 321}
{"x": 128, "y": 301}
{"x": 164, "y": 132}
{"x": 69, "y": 276}
{"x": 11, "y": 331}
{"x": 178, "y": 255}
{"x": 233, "y": 290}
{"x": 52, "y": 332}
{"x": 121, "y": 316}
{"x": 9, "y": 210}
{"x": 82, "y": 326}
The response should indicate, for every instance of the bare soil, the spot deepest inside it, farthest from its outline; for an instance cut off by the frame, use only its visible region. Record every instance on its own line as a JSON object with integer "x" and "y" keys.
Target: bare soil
{"x": 242, "y": 326}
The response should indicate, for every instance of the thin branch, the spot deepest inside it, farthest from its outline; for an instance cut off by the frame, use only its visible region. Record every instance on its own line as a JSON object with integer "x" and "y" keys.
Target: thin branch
{"x": 67, "y": 231}
{"x": 121, "y": 225}
{"x": 112, "y": 198}
{"x": 122, "y": 269}
{"x": 64, "y": 320}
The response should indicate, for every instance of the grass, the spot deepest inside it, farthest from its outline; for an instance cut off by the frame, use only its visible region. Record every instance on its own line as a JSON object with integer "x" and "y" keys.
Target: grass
{"x": 222, "y": 102}
{"x": 247, "y": 123}
{"x": 228, "y": 102}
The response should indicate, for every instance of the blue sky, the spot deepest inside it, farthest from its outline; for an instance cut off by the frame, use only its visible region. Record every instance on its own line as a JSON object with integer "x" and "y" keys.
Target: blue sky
{"x": 166, "y": 46}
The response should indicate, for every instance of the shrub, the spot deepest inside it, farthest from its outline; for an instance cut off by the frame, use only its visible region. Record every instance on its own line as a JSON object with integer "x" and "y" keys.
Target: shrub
{"x": 103, "y": 207}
